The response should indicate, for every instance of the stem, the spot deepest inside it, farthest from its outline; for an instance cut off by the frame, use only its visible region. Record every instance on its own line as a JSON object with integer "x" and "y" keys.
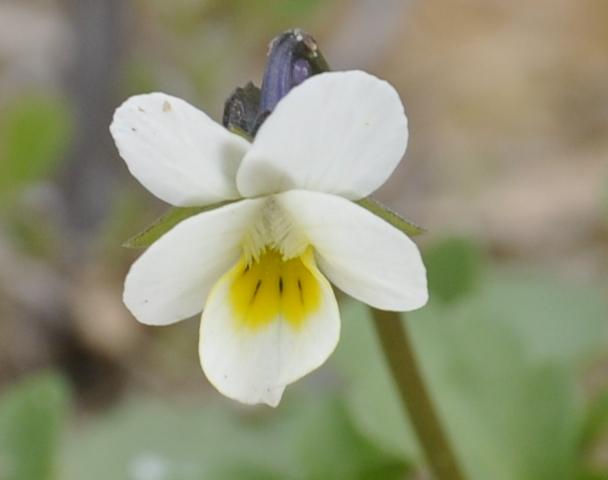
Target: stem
{"x": 415, "y": 397}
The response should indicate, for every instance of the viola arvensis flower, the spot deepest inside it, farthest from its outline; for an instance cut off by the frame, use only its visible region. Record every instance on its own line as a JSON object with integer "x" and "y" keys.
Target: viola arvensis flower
{"x": 260, "y": 266}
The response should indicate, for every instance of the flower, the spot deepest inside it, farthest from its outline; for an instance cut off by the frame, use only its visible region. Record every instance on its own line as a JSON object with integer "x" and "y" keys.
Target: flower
{"x": 258, "y": 266}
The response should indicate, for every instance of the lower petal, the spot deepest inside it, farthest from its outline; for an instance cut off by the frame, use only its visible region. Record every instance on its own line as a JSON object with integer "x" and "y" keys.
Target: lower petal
{"x": 267, "y": 324}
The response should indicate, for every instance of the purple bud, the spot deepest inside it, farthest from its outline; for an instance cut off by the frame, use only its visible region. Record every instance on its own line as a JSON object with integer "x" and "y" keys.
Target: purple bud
{"x": 293, "y": 58}
{"x": 301, "y": 70}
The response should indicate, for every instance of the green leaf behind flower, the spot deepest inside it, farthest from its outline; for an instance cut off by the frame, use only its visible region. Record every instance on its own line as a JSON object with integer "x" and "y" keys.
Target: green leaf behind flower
{"x": 454, "y": 268}
{"x": 502, "y": 366}
{"x": 34, "y": 135}
{"x": 32, "y": 415}
{"x": 390, "y": 216}
{"x": 309, "y": 437}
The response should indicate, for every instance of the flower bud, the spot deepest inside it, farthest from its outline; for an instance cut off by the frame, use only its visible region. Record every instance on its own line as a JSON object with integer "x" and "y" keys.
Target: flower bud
{"x": 241, "y": 110}
{"x": 294, "y": 56}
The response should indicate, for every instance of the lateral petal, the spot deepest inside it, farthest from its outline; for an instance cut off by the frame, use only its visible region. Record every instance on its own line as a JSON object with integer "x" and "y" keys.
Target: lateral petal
{"x": 170, "y": 281}
{"x": 360, "y": 253}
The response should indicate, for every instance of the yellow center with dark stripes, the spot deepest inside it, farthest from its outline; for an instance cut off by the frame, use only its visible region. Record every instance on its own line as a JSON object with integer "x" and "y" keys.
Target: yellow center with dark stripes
{"x": 270, "y": 287}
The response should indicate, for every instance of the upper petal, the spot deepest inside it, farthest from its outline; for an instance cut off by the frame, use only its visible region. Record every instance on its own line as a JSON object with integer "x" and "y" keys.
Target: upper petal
{"x": 253, "y": 359}
{"x": 360, "y": 253}
{"x": 337, "y": 132}
{"x": 171, "y": 280}
{"x": 176, "y": 151}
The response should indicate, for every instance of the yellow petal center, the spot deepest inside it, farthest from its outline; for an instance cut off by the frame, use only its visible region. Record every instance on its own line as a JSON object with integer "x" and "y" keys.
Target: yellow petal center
{"x": 264, "y": 289}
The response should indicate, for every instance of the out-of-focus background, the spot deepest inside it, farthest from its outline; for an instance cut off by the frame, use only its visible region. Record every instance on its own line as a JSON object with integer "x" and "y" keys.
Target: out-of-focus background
{"x": 507, "y": 169}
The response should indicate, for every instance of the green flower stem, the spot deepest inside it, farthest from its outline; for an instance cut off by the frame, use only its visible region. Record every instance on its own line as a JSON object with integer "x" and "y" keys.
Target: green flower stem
{"x": 415, "y": 397}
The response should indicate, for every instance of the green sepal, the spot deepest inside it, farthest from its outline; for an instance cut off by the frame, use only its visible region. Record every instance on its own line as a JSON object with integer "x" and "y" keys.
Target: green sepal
{"x": 390, "y": 216}
{"x": 166, "y": 222}
{"x": 175, "y": 215}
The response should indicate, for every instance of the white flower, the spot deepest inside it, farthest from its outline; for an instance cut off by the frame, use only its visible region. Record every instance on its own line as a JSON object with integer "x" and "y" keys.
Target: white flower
{"x": 258, "y": 267}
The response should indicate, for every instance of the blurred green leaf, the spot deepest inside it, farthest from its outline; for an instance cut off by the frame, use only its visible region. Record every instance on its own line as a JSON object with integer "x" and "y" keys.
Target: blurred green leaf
{"x": 453, "y": 267}
{"x": 501, "y": 365}
{"x": 389, "y": 216}
{"x": 246, "y": 17}
{"x": 31, "y": 419}
{"x": 33, "y": 232}
{"x": 592, "y": 476}
{"x": 557, "y": 321}
{"x": 596, "y": 423}
{"x": 34, "y": 134}
{"x": 139, "y": 77}
{"x": 371, "y": 396}
{"x": 166, "y": 222}
{"x": 597, "y": 418}
{"x": 306, "y": 438}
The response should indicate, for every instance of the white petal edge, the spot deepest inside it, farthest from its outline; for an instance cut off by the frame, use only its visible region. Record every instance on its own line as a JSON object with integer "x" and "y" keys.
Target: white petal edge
{"x": 338, "y": 132}
{"x": 176, "y": 151}
{"x": 171, "y": 280}
{"x": 255, "y": 366}
{"x": 360, "y": 253}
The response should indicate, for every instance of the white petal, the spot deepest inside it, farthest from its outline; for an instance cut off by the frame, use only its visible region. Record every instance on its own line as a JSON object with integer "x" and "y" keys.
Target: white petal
{"x": 172, "y": 279}
{"x": 338, "y": 132}
{"x": 254, "y": 365}
{"x": 360, "y": 253}
{"x": 176, "y": 151}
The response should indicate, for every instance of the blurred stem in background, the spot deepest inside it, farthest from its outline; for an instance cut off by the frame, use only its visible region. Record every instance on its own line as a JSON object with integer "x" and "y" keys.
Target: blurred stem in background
{"x": 414, "y": 395}
{"x": 91, "y": 175}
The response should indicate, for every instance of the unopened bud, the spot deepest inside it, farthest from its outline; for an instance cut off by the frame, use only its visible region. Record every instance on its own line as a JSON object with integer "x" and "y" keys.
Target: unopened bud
{"x": 294, "y": 57}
